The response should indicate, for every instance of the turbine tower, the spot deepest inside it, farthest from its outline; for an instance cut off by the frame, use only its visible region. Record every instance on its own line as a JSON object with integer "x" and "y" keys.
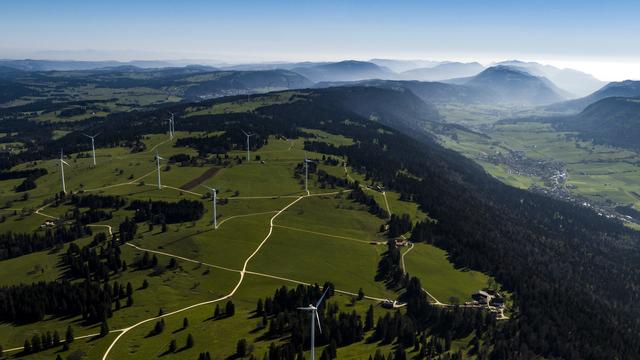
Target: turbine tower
{"x": 306, "y": 172}
{"x": 158, "y": 158}
{"x": 214, "y": 193}
{"x": 62, "y": 164}
{"x": 171, "y": 127}
{"x": 93, "y": 146}
{"x": 247, "y": 135}
{"x": 314, "y": 317}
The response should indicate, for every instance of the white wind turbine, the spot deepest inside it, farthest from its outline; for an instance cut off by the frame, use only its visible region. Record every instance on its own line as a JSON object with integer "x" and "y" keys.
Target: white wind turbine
{"x": 171, "y": 126}
{"x": 306, "y": 172}
{"x": 314, "y": 318}
{"x": 62, "y": 164}
{"x": 248, "y": 136}
{"x": 214, "y": 193}
{"x": 158, "y": 158}
{"x": 93, "y": 146}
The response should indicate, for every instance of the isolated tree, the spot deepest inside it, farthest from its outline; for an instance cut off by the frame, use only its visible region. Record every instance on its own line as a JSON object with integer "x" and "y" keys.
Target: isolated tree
{"x": 242, "y": 347}
{"x": 190, "y": 342}
{"x": 160, "y": 312}
{"x": 217, "y": 312}
{"x": 229, "y": 309}
{"x": 129, "y": 301}
{"x": 173, "y": 346}
{"x": 173, "y": 263}
{"x": 360, "y": 294}
{"x": 145, "y": 284}
{"x": 185, "y": 323}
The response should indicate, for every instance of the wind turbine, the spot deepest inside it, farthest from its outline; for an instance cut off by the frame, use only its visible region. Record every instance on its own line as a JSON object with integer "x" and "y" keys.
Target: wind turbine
{"x": 93, "y": 146}
{"x": 247, "y": 135}
{"x": 62, "y": 164}
{"x": 214, "y": 196}
{"x": 314, "y": 316}
{"x": 172, "y": 125}
{"x": 306, "y": 172}
{"x": 158, "y": 158}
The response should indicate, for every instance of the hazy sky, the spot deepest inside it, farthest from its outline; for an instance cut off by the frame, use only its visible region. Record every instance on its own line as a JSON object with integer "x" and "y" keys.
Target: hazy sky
{"x": 603, "y": 39}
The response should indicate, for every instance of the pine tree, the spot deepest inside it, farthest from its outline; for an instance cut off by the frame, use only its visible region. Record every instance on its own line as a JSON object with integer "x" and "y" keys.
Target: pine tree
{"x": 185, "y": 323}
{"x": 241, "y": 348}
{"x": 190, "y": 341}
{"x": 173, "y": 346}
{"x": 217, "y": 312}
{"x": 229, "y": 309}
{"x": 69, "y": 335}
{"x": 104, "y": 329}
{"x": 129, "y": 301}
{"x": 56, "y": 338}
{"x": 27, "y": 347}
{"x": 145, "y": 284}
{"x": 368, "y": 321}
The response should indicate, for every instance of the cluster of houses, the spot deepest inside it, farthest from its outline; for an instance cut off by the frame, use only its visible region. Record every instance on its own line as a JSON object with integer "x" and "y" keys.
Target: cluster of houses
{"x": 47, "y": 224}
{"x": 489, "y": 298}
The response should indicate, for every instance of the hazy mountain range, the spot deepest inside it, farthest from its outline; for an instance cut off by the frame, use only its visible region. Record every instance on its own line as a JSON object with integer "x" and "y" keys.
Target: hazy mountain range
{"x": 509, "y": 83}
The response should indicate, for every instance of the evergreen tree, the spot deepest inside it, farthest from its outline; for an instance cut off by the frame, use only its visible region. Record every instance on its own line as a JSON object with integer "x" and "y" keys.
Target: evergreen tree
{"x": 229, "y": 309}
{"x": 368, "y": 320}
{"x": 104, "y": 329}
{"x": 185, "y": 323}
{"x": 27, "y": 346}
{"x": 173, "y": 346}
{"x": 69, "y": 335}
{"x": 189, "y": 341}
{"x": 242, "y": 348}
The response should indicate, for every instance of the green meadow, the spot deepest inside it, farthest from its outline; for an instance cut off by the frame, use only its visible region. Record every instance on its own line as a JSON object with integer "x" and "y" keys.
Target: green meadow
{"x": 318, "y": 238}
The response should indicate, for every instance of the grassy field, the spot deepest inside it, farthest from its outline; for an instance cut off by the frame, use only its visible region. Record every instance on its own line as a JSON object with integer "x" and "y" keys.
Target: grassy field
{"x": 438, "y": 275}
{"x": 317, "y": 239}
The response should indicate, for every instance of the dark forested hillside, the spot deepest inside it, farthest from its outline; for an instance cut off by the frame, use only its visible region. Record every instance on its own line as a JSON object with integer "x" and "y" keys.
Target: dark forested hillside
{"x": 613, "y": 121}
{"x": 569, "y": 268}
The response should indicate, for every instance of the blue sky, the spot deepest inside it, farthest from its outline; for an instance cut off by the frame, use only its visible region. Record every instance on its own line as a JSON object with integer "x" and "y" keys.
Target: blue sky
{"x": 587, "y": 34}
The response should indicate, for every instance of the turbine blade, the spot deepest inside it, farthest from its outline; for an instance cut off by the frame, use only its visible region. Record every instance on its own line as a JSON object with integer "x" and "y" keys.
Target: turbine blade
{"x": 322, "y": 297}
{"x": 315, "y": 313}
{"x": 305, "y": 308}
{"x": 64, "y": 162}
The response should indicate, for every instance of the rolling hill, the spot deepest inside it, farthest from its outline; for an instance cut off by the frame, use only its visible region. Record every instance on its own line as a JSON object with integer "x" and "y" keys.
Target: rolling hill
{"x": 542, "y": 251}
{"x": 348, "y": 70}
{"x": 627, "y": 88}
{"x": 515, "y": 86}
{"x": 428, "y": 91}
{"x": 613, "y": 121}
{"x": 577, "y": 83}
{"x": 444, "y": 71}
